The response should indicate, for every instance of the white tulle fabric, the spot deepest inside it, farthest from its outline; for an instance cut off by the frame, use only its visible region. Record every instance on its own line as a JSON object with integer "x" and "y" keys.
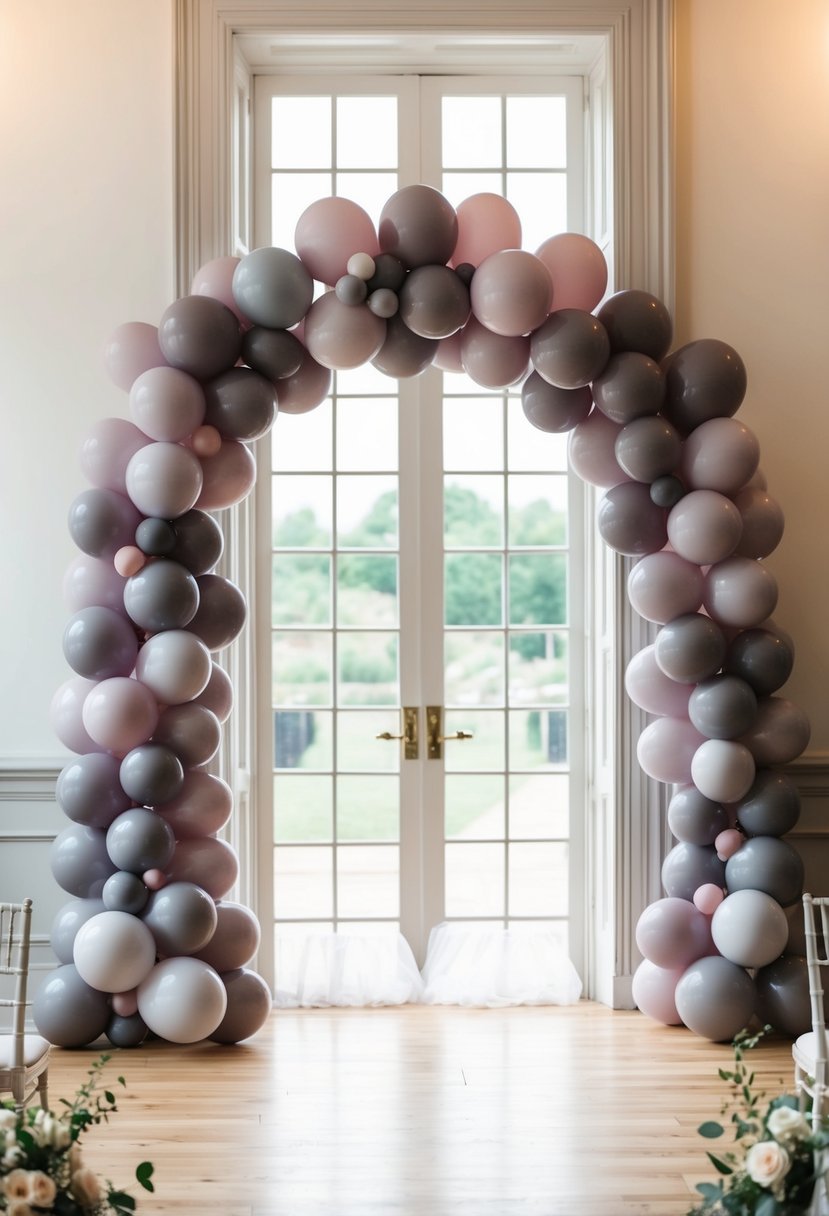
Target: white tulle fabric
{"x": 485, "y": 967}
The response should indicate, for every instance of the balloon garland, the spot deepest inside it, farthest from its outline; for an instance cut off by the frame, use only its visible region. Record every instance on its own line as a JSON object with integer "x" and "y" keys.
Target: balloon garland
{"x": 149, "y": 941}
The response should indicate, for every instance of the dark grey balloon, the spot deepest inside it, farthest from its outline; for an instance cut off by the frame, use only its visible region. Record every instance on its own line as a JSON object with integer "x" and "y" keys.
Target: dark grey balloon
{"x": 648, "y": 448}
{"x": 272, "y": 287}
{"x": 630, "y": 522}
{"x": 274, "y": 353}
{"x": 221, "y": 614}
{"x": 155, "y": 537}
{"x": 102, "y": 521}
{"x": 192, "y": 731}
{"x": 240, "y": 404}
{"x": 66, "y": 923}
{"x": 151, "y": 774}
{"x": 80, "y": 862}
{"x": 88, "y": 790}
{"x": 199, "y": 542}
{"x": 434, "y": 302}
{"x": 404, "y": 353}
{"x": 722, "y": 707}
{"x": 139, "y": 840}
{"x": 771, "y": 807}
{"x": 783, "y": 995}
{"x": 570, "y": 348}
{"x": 695, "y": 819}
{"x": 763, "y": 657}
{"x": 765, "y": 863}
{"x": 637, "y": 321}
{"x": 162, "y": 595}
{"x": 349, "y": 289}
{"x": 715, "y": 998}
{"x": 99, "y": 643}
{"x": 125, "y": 892}
{"x": 667, "y": 491}
{"x": 199, "y": 335}
{"x": 418, "y": 226}
{"x": 703, "y": 380}
{"x": 182, "y": 918}
{"x": 552, "y": 409}
{"x": 690, "y": 648}
{"x": 389, "y": 273}
{"x": 126, "y": 1031}
{"x": 630, "y": 386}
{"x": 67, "y": 1011}
{"x": 688, "y": 866}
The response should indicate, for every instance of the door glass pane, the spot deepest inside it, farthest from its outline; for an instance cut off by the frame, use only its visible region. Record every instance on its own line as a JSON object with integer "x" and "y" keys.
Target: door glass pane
{"x": 538, "y": 879}
{"x": 303, "y": 882}
{"x": 537, "y": 739}
{"x": 367, "y": 589}
{"x": 484, "y": 752}
{"x": 472, "y": 132}
{"x": 541, "y": 201}
{"x": 539, "y": 806}
{"x": 303, "y": 809}
{"x": 300, "y": 132}
{"x": 367, "y": 669}
{"x": 538, "y": 671}
{"x": 302, "y": 665}
{"x": 367, "y": 808}
{"x": 463, "y": 418}
{"x": 458, "y": 186}
{"x": 474, "y": 668}
{"x": 367, "y": 880}
{"x": 358, "y": 417}
{"x": 302, "y": 739}
{"x": 292, "y": 193}
{"x": 473, "y": 511}
{"x": 301, "y": 592}
{"x": 474, "y": 879}
{"x": 473, "y": 588}
{"x": 474, "y": 806}
{"x": 368, "y": 190}
{"x": 302, "y": 510}
{"x": 355, "y": 117}
{"x": 302, "y": 442}
{"x": 367, "y": 512}
{"x": 527, "y": 117}
{"x": 537, "y": 507}
{"x": 359, "y": 749}
{"x": 538, "y": 589}
{"x": 530, "y": 451}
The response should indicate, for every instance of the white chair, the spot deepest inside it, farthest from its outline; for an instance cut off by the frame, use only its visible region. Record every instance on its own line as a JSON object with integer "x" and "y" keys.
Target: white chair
{"x": 809, "y": 1050}
{"x": 24, "y": 1058}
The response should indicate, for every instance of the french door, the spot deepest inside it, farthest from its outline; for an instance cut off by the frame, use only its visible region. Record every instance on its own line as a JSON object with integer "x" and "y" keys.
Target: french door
{"x": 426, "y": 610}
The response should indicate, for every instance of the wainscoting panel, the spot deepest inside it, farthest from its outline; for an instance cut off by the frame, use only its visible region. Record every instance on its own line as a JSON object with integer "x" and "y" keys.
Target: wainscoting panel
{"x": 810, "y": 835}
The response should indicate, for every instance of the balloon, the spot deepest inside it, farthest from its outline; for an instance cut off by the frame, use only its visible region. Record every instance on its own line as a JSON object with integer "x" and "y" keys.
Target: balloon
{"x": 577, "y": 268}
{"x": 119, "y": 714}
{"x": 236, "y": 939}
{"x": 403, "y": 353}
{"x": 129, "y": 560}
{"x": 240, "y": 404}
{"x": 704, "y": 527}
{"x": 765, "y": 863}
{"x": 201, "y": 808}
{"x": 448, "y": 354}
{"x": 114, "y": 951}
{"x": 703, "y": 380}
{"x": 206, "y": 861}
{"x": 305, "y": 389}
{"x": 695, "y": 819}
{"x": 164, "y": 479}
{"x": 722, "y": 707}
{"x": 687, "y": 867}
{"x": 66, "y": 715}
{"x": 274, "y": 353}
{"x": 721, "y": 454}
{"x": 67, "y": 1011}
{"x": 715, "y": 998}
{"x": 554, "y": 409}
{"x": 175, "y": 665}
{"x": 671, "y": 933}
{"x": 723, "y": 770}
{"x": 200, "y": 335}
{"x": 491, "y": 359}
{"x": 648, "y": 448}
{"x": 182, "y": 1000}
{"x": 664, "y": 585}
{"x": 665, "y": 749}
{"x": 67, "y": 922}
{"x": 181, "y": 917}
{"x": 771, "y": 807}
{"x": 487, "y": 223}
{"x": 630, "y": 522}
{"x": 434, "y": 302}
{"x": 327, "y": 233}
{"x": 89, "y": 792}
{"x": 99, "y": 643}
{"x": 383, "y": 303}
{"x": 215, "y": 278}
{"x": 750, "y": 928}
{"x": 649, "y": 688}
{"x": 762, "y": 657}
{"x": 131, "y": 349}
{"x": 630, "y": 386}
{"x": 591, "y": 451}
{"x": 763, "y": 522}
{"x": 140, "y": 840}
{"x": 191, "y": 731}
{"x": 198, "y": 542}
{"x": 155, "y": 537}
{"x": 780, "y": 732}
{"x": 690, "y": 648}
{"x": 221, "y": 614}
{"x": 162, "y": 595}
{"x": 124, "y": 892}
{"x": 361, "y": 265}
{"x": 666, "y": 491}
{"x": 389, "y": 273}
{"x": 708, "y": 898}
{"x": 340, "y": 337}
{"x": 418, "y": 226}
{"x": 740, "y": 591}
{"x": 80, "y": 862}
{"x": 249, "y": 1004}
{"x": 166, "y": 404}
{"x": 90, "y": 581}
{"x": 727, "y": 843}
{"x": 569, "y": 349}
{"x": 102, "y": 521}
{"x": 106, "y": 451}
{"x": 653, "y": 992}
{"x": 272, "y": 287}
{"x": 218, "y": 693}
{"x": 151, "y": 774}
{"x": 126, "y": 1031}
{"x": 511, "y": 293}
{"x": 783, "y": 995}
{"x": 125, "y": 1004}
{"x": 154, "y": 880}
{"x": 637, "y": 321}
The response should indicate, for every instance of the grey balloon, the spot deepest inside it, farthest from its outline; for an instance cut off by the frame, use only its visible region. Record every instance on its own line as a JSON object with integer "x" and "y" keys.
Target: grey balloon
{"x": 162, "y": 595}
{"x": 404, "y": 353}
{"x": 140, "y": 840}
{"x": 648, "y": 448}
{"x": 771, "y": 807}
{"x": 125, "y": 892}
{"x": 554, "y": 409}
{"x": 99, "y": 643}
{"x": 349, "y": 289}
{"x": 688, "y": 866}
{"x": 765, "y": 863}
{"x": 274, "y": 353}
{"x": 235, "y": 940}
{"x": 80, "y": 861}
{"x": 695, "y": 819}
{"x": 249, "y": 1005}
{"x": 637, "y": 321}
{"x": 240, "y": 404}
{"x": 199, "y": 542}
{"x": 200, "y": 335}
{"x": 88, "y": 790}
{"x": 151, "y": 774}
{"x": 418, "y": 226}
{"x": 630, "y": 522}
{"x": 722, "y": 707}
{"x": 273, "y": 288}
{"x": 156, "y": 537}
{"x": 630, "y": 386}
{"x": 102, "y": 521}
{"x": 690, "y": 648}
{"x": 667, "y": 491}
{"x": 221, "y": 613}
{"x": 434, "y": 302}
{"x": 66, "y": 923}
{"x": 181, "y": 917}
{"x": 570, "y": 348}
{"x": 126, "y": 1031}
{"x": 192, "y": 731}
{"x": 67, "y": 1011}
{"x": 763, "y": 657}
{"x": 783, "y": 995}
{"x": 703, "y": 380}
{"x": 383, "y": 303}
{"x": 715, "y": 998}
{"x": 389, "y": 273}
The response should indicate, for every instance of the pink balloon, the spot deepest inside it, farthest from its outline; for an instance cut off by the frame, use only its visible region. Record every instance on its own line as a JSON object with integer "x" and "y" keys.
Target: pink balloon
{"x": 227, "y": 477}
{"x": 166, "y": 403}
{"x": 235, "y": 940}
{"x": 164, "y": 480}
{"x": 591, "y": 448}
{"x": 511, "y": 292}
{"x": 448, "y": 354}
{"x": 129, "y": 560}
{"x": 704, "y": 527}
{"x": 722, "y": 770}
{"x": 154, "y": 879}
{"x": 329, "y": 232}
{"x": 215, "y": 278}
{"x": 666, "y": 749}
{"x": 125, "y": 1004}
{"x": 218, "y": 694}
{"x": 206, "y": 441}
{"x": 653, "y": 991}
{"x": 649, "y": 688}
{"x": 131, "y": 349}
{"x": 487, "y": 223}
{"x": 727, "y": 843}
{"x": 721, "y": 454}
{"x": 664, "y": 585}
{"x": 91, "y": 581}
{"x": 740, "y": 591}
{"x": 106, "y": 452}
{"x": 709, "y": 896}
{"x": 491, "y": 359}
{"x": 342, "y": 336}
{"x": 66, "y": 715}
{"x": 201, "y": 808}
{"x": 305, "y": 389}
{"x": 577, "y": 268}
{"x": 208, "y": 862}
{"x": 120, "y": 713}
{"x": 672, "y": 933}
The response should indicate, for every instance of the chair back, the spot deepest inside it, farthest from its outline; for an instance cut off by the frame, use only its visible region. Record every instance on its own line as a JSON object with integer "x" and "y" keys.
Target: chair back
{"x": 816, "y": 923}
{"x": 15, "y": 935}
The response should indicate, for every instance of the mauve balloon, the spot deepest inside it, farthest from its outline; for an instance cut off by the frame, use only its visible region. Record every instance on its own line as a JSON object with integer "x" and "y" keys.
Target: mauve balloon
{"x": 570, "y": 348}
{"x": 554, "y": 409}
{"x": 200, "y": 335}
{"x": 434, "y": 302}
{"x": 419, "y": 226}
{"x": 705, "y": 379}
{"x": 630, "y": 386}
{"x": 241, "y": 404}
{"x": 637, "y": 321}
{"x": 403, "y": 353}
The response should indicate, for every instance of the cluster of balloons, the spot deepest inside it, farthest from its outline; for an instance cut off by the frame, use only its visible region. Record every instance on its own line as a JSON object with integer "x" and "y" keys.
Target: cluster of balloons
{"x": 149, "y": 941}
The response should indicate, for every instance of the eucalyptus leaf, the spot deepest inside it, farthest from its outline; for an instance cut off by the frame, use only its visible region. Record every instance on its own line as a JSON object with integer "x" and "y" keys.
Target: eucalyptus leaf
{"x": 719, "y": 1165}
{"x": 710, "y": 1130}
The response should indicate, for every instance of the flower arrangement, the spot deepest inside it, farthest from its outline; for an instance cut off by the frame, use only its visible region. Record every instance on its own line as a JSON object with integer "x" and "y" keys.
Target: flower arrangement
{"x": 41, "y": 1168}
{"x": 778, "y": 1159}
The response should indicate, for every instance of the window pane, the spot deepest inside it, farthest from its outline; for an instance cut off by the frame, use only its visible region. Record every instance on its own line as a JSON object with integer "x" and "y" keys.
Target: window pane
{"x": 538, "y": 589}
{"x": 473, "y": 589}
{"x": 473, "y": 512}
{"x": 302, "y": 668}
{"x": 539, "y": 806}
{"x": 301, "y": 132}
{"x": 368, "y": 880}
{"x": 302, "y": 512}
{"x": 463, "y": 419}
{"x": 363, "y": 380}
{"x": 302, "y": 809}
{"x": 472, "y": 132}
{"x": 303, "y": 882}
{"x": 291, "y": 193}
{"x": 538, "y": 673}
{"x": 367, "y": 669}
{"x": 303, "y": 442}
{"x": 302, "y": 739}
{"x": 369, "y": 190}
{"x": 537, "y": 510}
{"x": 484, "y": 752}
{"x": 301, "y": 589}
{"x": 458, "y": 186}
{"x": 528, "y": 449}
{"x": 368, "y": 808}
{"x": 537, "y": 738}
{"x": 367, "y": 512}
{"x": 541, "y": 201}
{"x": 474, "y": 879}
{"x": 474, "y": 664}
{"x": 538, "y": 879}
{"x": 474, "y": 806}
{"x": 366, "y": 132}
{"x": 359, "y": 749}
{"x": 537, "y": 132}
{"x": 357, "y": 418}
{"x": 367, "y": 589}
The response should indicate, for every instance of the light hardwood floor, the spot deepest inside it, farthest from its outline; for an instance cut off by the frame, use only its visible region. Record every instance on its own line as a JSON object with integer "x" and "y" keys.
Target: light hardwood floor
{"x": 421, "y": 1111}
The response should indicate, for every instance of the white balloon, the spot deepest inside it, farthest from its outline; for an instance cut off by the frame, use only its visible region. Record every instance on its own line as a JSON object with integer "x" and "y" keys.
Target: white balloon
{"x": 114, "y": 951}
{"x": 175, "y": 665}
{"x": 164, "y": 480}
{"x": 722, "y": 770}
{"x": 750, "y": 928}
{"x": 182, "y": 1000}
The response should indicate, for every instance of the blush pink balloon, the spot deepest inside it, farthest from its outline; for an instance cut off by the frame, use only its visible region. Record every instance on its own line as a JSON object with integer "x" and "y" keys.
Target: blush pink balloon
{"x": 740, "y": 591}
{"x": 208, "y": 862}
{"x": 228, "y": 477}
{"x": 130, "y": 350}
{"x": 215, "y": 278}
{"x": 448, "y": 353}
{"x": 577, "y": 268}
{"x": 491, "y": 359}
{"x": 201, "y": 808}
{"x": 591, "y": 448}
{"x": 66, "y": 715}
{"x": 125, "y": 1004}
{"x": 664, "y": 585}
{"x": 305, "y": 389}
{"x": 727, "y": 843}
{"x": 672, "y": 933}
{"x": 721, "y": 454}
{"x": 653, "y": 991}
{"x": 154, "y": 879}
{"x": 91, "y": 581}
{"x": 666, "y": 749}
{"x": 342, "y": 336}
{"x": 709, "y": 896}
{"x": 511, "y": 292}
{"x": 167, "y": 403}
{"x": 704, "y": 527}
{"x": 328, "y": 232}
{"x": 206, "y": 441}
{"x": 120, "y": 713}
{"x": 129, "y": 560}
{"x": 487, "y": 223}
{"x": 106, "y": 452}
{"x": 649, "y": 688}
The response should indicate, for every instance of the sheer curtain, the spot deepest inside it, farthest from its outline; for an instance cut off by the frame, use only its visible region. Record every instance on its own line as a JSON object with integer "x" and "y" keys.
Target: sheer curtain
{"x": 475, "y": 966}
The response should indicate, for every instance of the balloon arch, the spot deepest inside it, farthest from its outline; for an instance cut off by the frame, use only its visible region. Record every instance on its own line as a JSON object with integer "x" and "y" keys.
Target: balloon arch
{"x": 149, "y": 942}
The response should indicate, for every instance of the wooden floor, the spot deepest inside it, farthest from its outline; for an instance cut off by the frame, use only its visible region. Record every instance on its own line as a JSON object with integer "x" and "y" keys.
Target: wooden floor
{"x": 422, "y": 1111}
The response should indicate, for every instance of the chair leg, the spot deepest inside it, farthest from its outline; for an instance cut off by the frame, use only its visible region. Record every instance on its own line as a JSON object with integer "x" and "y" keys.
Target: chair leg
{"x": 43, "y": 1089}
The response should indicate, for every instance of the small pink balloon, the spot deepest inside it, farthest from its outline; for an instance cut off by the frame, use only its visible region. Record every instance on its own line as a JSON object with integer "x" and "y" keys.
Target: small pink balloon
{"x": 125, "y": 1004}
{"x": 154, "y": 879}
{"x": 129, "y": 560}
{"x": 709, "y": 896}
{"x": 728, "y": 842}
{"x": 206, "y": 441}
{"x": 578, "y": 269}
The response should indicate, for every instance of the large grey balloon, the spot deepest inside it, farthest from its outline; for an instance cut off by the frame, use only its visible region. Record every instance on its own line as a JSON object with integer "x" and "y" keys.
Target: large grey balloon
{"x": 722, "y": 707}
{"x": 630, "y": 386}
{"x": 637, "y": 321}
{"x": 140, "y": 840}
{"x": 181, "y": 917}
{"x": 80, "y": 862}
{"x": 783, "y": 995}
{"x": 67, "y": 1011}
{"x": 690, "y": 648}
{"x": 99, "y": 643}
{"x": 240, "y": 404}
{"x": 554, "y": 409}
{"x": 235, "y": 940}
{"x": 771, "y": 807}
{"x": 102, "y": 521}
{"x": 125, "y": 892}
{"x": 630, "y": 522}
{"x": 403, "y": 353}
{"x": 162, "y": 595}
{"x": 221, "y": 613}
{"x": 151, "y": 774}
{"x": 695, "y": 819}
{"x": 688, "y": 866}
{"x": 192, "y": 731}
{"x": 715, "y": 998}
{"x": 89, "y": 791}
{"x": 198, "y": 542}
{"x": 418, "y": 226}
{"x": 763, "y": 657}
{"x": 779, "y": 733}
{"x": 647, "y": 449}
{"x": 199, "y": 335}
{"x": 126, "y": 1031}
{"x": 703, "y": 380}
{"x": 272, "y": 287}
{"x": 274, "y": 353}
{"x": 67, "y": 922}
{"x": 434, "y": 302}
{"x": 570, "y": 348}
{"x": 765, "y": 863}
{"x": 249, "y": 1004}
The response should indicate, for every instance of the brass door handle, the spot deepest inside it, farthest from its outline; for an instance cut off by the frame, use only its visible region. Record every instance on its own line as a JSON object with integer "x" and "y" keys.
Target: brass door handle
{"x": 434, "y": 739}
{"x": 459, "y": 734}
{"x": 388, "y": 735}
{"x": 409, "y": 739}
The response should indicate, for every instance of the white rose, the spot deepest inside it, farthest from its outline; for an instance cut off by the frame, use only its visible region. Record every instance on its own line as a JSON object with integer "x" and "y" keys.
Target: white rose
{"x": 12, "y": 1157}
{"x": 788, "y": 1125}
{"x": 8, "y": 1119}
{"x": 43, "y": 1189}
{"x": 85, "y": 1187}
{"x": 51, "y": 1132}
{"x": 19, "y": 1207}
{"x": 767, "y": 1162}
{"x": 16, "y": 1185}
